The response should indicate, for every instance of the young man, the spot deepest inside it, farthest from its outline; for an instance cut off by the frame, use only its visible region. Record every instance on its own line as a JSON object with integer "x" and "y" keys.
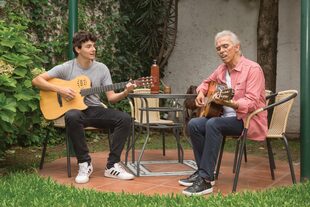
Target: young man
{"x": 95, "y": 115}
{"x": 247, "y": 79}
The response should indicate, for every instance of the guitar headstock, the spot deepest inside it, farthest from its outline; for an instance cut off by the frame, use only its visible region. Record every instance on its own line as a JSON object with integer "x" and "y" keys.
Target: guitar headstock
{"x": 145, "y": 82}
{"x": 226, "y": 94}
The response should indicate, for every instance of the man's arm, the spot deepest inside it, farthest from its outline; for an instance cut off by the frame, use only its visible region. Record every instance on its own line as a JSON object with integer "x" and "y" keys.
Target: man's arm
{"x": 115, "y": 97}
{"x": 41, "y": 82}
{"x": 200, "y": 99}
{"x": 254, "y": 89}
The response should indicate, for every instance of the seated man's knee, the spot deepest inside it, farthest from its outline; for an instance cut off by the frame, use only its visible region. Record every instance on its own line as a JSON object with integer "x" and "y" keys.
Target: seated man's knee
{"x": 72, "y": 115}
{"x": 190, "y": 123}
{"x": 193, "y": 123}
{"x": 212, "y": 123}
{"x": 126, "y": 119}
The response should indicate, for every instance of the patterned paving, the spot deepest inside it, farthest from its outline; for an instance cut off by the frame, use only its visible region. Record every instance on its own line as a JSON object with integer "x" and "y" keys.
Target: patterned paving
{"x": 161, "y": 177}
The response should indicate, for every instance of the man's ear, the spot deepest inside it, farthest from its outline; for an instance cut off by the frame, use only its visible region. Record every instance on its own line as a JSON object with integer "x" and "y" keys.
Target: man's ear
{"x": 77, "y": 50}
{"x": 237, "y": 46}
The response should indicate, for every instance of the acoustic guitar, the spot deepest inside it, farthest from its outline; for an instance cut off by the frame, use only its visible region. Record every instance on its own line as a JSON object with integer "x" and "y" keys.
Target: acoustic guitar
{"x": 53, "y": 105}
{"x": 212, "y": 109}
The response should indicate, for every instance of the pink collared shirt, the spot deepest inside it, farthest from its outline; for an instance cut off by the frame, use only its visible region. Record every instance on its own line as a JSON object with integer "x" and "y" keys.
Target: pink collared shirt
{"x": 248, "y": 81}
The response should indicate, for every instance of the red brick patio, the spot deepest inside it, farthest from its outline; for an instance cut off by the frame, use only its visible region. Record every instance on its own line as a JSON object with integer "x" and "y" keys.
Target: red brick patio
{"x": 254, "y": 174}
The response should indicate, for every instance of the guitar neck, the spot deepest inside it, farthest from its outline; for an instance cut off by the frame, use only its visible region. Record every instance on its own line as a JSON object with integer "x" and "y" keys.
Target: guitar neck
{"x": 100, "y": 89}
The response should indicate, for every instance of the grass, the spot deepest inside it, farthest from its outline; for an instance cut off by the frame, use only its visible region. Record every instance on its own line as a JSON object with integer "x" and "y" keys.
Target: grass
{"x": 28, "y": 189}
{"x": 20, "y": 185}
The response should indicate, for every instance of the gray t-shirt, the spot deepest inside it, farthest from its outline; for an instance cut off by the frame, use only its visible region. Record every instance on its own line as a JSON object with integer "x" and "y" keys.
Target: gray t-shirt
{"x": 98, "y": 73}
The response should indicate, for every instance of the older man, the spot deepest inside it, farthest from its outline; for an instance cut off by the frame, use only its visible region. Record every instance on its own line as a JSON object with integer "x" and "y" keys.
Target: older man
{"x": 247, "y": 80}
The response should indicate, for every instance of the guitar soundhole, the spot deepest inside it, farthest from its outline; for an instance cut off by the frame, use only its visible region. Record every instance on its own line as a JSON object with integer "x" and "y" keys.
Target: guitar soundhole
{"x": 81, "y": 83}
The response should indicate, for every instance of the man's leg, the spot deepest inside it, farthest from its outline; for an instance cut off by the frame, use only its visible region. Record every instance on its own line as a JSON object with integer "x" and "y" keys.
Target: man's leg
{"x": 74, "y": 120}
{"x": 197, "y": 131}
{"x": 75, "y": 131}
{"x": 120, "y": 123}
{"x": 216, "y": 127}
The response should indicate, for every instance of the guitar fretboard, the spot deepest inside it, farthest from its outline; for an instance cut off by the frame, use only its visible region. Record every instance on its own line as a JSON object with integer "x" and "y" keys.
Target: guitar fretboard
{"x": 100, "y": 89}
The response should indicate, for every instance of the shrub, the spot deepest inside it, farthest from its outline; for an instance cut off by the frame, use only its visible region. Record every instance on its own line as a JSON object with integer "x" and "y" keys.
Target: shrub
{"x": 19, "y": 61}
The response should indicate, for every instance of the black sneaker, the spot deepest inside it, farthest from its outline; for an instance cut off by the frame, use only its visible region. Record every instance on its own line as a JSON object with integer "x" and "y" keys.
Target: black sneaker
{"x": 199, "y": 187}
{"x": 191, "y": 179}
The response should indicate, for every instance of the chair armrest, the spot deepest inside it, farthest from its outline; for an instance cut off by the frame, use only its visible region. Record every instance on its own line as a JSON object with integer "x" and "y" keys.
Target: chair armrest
{"x": 293, "y": 95}
{"x": 132, "y": 108}
{"x": 270, "y": 96}
{"x": 104, "y": 106}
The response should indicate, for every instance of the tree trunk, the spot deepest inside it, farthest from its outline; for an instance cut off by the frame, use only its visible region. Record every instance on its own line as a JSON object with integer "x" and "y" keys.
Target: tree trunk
{"x": 170, "y": 33}
{"x": 267, "y": 40}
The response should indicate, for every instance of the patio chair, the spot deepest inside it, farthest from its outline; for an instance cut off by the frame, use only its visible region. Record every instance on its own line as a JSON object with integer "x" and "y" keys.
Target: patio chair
{"x": 269, "y": 96}
{"x": 139, "y": 120}
{"x": 277, "y": 127}
{"x": 60, "y": 123}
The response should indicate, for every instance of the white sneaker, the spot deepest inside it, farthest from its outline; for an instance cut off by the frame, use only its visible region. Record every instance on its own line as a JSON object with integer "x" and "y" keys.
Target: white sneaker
{"x": 85, "y": 171}
{"x": 118, "y": 172}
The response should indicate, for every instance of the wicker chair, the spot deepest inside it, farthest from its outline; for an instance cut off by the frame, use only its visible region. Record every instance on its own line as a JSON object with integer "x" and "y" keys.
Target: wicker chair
{"x": 276, "y": 130}
{"x": 269, "y": 95}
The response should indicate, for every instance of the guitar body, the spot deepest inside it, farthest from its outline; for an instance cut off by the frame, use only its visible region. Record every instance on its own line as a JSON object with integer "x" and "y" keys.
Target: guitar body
{"x": 211, "y": 109}
{"x": 53, "y": 105}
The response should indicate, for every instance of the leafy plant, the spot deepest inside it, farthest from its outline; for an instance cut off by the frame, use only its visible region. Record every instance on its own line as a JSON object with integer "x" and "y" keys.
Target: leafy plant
{"x": 19, "y": 117}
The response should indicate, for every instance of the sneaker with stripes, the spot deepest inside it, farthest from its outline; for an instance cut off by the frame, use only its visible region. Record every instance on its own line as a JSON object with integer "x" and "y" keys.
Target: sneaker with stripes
{"x": 85, "y": 170}
{"x": 118, "y": 172}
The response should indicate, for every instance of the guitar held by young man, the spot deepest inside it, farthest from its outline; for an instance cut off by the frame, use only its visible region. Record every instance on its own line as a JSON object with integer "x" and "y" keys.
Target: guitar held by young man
{"x": 53, "y": 105}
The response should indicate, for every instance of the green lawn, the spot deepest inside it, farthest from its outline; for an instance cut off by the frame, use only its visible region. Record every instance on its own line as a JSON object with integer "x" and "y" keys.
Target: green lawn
{"x": 28, "y": 189}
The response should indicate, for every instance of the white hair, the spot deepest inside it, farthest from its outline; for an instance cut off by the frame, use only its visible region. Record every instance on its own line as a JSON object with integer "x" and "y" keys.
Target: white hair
{"x": 233, "y": 36}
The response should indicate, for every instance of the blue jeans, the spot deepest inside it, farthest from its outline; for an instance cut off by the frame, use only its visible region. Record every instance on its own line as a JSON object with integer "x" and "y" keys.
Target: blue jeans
{"x": 206, "y": 136}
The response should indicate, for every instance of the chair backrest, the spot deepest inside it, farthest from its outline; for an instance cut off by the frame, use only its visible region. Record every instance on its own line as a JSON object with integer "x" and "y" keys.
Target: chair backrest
{"x": 267, "y": 93}
{"x": 154, "y": 116}
{"x": 280, "y": 114}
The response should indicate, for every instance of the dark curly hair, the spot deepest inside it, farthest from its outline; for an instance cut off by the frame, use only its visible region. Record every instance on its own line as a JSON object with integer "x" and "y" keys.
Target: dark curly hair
{"x": 81, "y": 37}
